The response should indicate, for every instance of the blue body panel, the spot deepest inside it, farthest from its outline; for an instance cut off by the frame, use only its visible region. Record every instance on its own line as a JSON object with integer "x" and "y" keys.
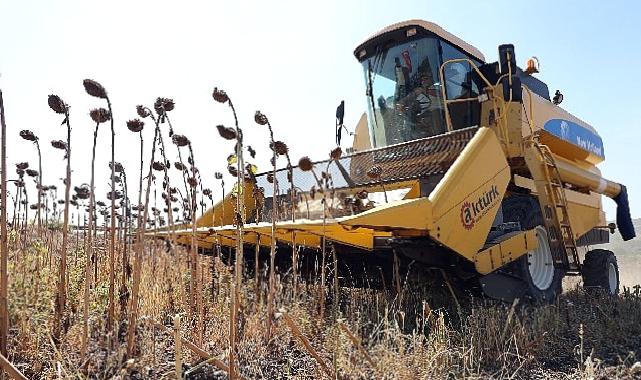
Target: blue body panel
{"x": 577, "y": 135}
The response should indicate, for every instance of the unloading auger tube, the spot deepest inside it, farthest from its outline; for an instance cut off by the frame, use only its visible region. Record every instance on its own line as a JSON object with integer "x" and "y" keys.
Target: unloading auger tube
{"x": 460, "y": 164}
{"x": 615, "y": 191}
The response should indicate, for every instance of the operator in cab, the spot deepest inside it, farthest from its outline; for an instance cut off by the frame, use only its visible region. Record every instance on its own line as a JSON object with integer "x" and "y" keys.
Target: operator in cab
{"x": 422, "y": 107}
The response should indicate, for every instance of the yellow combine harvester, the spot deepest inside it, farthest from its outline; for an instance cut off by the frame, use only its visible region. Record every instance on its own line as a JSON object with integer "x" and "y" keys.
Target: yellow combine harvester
{"x": 460, "y": 164}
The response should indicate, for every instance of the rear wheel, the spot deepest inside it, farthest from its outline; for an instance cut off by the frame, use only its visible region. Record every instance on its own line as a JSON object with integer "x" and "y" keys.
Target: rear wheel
{"x": 601, "y": 271}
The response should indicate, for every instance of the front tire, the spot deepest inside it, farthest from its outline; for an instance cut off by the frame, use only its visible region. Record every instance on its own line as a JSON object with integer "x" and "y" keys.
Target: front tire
{"x": 536, "y": 268}
{"x": 601, "y": 272}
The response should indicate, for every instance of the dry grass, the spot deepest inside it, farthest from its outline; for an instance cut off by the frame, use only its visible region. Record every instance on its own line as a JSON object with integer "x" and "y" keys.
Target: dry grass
{"x": 423, "y": 338}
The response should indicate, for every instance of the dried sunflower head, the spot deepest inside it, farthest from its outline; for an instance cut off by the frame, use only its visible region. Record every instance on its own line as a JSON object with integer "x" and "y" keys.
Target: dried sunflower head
{"x": 220, "y": 95}
{"x": 28, "y": 135}
{"x": 32, "y": 173}
{"x": 159, "y": 166}
{"x": 232, "y": 170}
{"x": 218, "y": 175}
{"x": 226, "y": 133}
{"x": 56, "y": 104}
{"x": 279, "y": 147}
{"x": 207, "y": 192}
{"x": 118, "y": 168}
{"x": 336, "y": 153}
{"x": 260, "y": 118}
{"x": 180, "y": 140}
{"x": 100, "y": 115}
{"x": 142, "y": 111}
{"x": 22, "y": 165}
{"x": 180, "y": 166}
{"x": 193, "y": 182}
{"x": 163, "y": 105}
{"x": 114, "y": 195}
{"x": 305, "y": 164}
{"x": 135, "y": 125}
{"x": 59, "y": 144}
{"x": 101, "y": 203}
{"x": 375, "y": 172}
{"x": 251, "y": 168}
{"x": 82, "y": 192}
{"x": 83, "y": 195}
{"x": 94, "y": 88}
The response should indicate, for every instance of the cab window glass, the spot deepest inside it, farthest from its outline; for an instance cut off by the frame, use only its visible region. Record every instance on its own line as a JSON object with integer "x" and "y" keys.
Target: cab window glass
{"x": 459, "y": 84}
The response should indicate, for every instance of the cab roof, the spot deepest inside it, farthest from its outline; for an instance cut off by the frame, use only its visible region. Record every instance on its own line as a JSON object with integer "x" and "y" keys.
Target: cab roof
{"x": 426, "y": 26}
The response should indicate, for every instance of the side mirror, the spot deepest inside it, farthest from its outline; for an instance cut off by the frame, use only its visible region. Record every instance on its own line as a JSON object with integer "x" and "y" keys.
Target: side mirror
{"x": 507, "y": 59}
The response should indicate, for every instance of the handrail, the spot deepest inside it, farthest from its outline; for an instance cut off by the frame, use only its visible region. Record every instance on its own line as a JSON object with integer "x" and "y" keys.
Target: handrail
{"x": 502, "y": 116}
{"x": 448, "y": 120}
{"x": 502, "y": 124}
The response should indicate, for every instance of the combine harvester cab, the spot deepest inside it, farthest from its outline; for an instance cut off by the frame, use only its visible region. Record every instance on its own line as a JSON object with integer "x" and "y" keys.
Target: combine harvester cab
{"x": 460, "y": 165}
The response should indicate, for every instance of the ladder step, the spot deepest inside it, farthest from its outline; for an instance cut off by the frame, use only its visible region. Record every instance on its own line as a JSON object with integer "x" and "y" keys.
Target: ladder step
{"x": 565, "y": 251}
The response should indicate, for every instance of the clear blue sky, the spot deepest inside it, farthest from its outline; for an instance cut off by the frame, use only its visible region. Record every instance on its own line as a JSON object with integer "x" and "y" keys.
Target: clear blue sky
{"x": 292, "y": 60}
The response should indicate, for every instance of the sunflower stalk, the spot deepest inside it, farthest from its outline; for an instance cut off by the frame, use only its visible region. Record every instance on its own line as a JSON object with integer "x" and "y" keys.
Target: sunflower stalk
{"x": 236, "y": 134}
{"x": 89, "y": 248}
{"x": 4, "y": 248}
{"x": 61, "y": 298}
{"x": 133, "y": 307}
{"x": 95, "y": 89}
